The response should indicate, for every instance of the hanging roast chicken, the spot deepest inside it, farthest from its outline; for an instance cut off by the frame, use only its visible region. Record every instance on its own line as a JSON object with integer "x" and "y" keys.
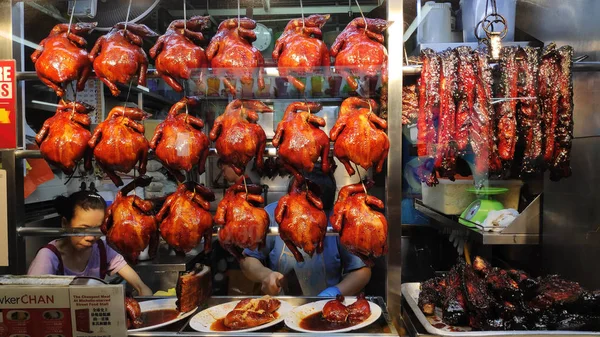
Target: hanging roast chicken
{"x": 244, "y": 221}
{"x": 118, "y": 56}
{"x": 361, "y": 50}
{"x": 178, "y": 52}
{"x": 237, "y": 137}
{"x": 119, "y": 142}
{"x": 363, "y": 229}
{"x": 231, "y": 50}
{"x": 129, "y": 224}
{"x": 63, "y": 58}
{"x": 300, "y": 49}
{"x": 185, "y": 217}
{"x": 302, "y": 221}
{"x": 63, "y": 139}
{"x": 359, "y": 135}
{"x": 179, "y": 142}
{"x": 299, "y": 140}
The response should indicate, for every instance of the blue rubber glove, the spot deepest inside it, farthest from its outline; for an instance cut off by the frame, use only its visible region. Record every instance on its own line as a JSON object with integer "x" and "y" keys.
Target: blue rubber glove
{"x": 330, "y": 292}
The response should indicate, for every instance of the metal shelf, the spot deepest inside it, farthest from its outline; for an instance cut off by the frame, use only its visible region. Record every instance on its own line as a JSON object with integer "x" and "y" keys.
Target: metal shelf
{"x": 524, "y": 230}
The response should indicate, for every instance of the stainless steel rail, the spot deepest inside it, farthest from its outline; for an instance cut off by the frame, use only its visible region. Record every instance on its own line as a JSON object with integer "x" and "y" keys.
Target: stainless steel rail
{"x": 577, "y": 67}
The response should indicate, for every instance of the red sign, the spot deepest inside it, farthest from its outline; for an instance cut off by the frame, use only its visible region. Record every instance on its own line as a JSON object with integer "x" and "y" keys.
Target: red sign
{"x": 8, "y": 104}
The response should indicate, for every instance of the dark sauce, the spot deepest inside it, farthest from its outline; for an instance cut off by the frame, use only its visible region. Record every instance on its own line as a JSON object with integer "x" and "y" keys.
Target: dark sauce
{"x": 316, "y": 322}
{"x": 155, "y": 317}
{"x": 219, "y": 325}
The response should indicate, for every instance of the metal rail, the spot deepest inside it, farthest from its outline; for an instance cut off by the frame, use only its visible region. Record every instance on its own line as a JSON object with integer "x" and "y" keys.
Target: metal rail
{"x": 577, "y": 67}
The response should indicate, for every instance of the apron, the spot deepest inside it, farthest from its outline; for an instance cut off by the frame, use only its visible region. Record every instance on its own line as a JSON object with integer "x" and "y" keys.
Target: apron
{"x": 311, "y": 273}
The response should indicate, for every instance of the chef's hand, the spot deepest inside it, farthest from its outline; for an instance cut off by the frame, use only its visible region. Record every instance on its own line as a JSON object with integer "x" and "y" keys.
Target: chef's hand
{"x": 330, "y": 292}
{"x": 270, "y": 284}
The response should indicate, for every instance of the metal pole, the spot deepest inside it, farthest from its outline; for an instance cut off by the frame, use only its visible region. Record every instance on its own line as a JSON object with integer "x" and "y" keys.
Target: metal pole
{"x": 16, "y": 211}
{"x": 393, "y": 198}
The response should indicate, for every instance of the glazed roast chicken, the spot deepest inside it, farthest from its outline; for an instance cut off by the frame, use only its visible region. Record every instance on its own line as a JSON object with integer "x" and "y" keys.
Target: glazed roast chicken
{"x": 237, "y": 136}
{"x": 302, "y": 221}
{"x": 129, "y": 224}
{"x": 244, "y": 222}
{"x": 133, "y": 313}
{"x": 299, "y": 140}
{"x": 119, "y": 142}
{"x": 63, "y": 58}
{"x": 63, "y": 139}
{"x": 251, "y": 312}
{"x": 300, "y": 49}
{"x": 118, "y": 56}
{"x": 231, "y": 54}
{"x": 362, "y": 228}
{"x": 179, "y": 142}
{"x": 185, "y": 217}
{"x": 178, "y": 53}
{"x": 359, "y": 135}
{"x": 361, "y": 50}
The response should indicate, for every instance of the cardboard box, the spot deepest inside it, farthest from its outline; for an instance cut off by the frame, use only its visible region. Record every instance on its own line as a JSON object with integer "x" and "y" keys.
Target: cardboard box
{"x": 53, "y": 306}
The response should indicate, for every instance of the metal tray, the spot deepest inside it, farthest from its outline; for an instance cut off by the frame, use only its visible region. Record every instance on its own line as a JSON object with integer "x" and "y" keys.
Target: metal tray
{"x": 410, "y": 292}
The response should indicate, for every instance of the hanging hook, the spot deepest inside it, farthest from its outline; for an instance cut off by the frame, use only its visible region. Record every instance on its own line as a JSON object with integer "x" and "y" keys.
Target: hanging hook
{"x": 127, "y": 18}
{"x": 184, "y": 16}
{"x": 245, "y": 186}
{"x": 362, "y": 14}
{"x": 361, "y": 179}
{"x": 239, "y": 13}
{"x": 71, "y": 19}
{"x": 302, "y": 13}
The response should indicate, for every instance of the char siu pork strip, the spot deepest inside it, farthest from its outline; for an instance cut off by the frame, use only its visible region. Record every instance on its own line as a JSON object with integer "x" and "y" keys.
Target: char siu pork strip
{"x": 548, "y": 80}
{"x": 445, "y": 157}
{"x": 466, "y": 96}
{"x": 507, "y": 122}
{"x": 429, "y": 104}
{"x": 454, "y": 308}
{"x": 561, "y": 166}
{"x": 529, "y": 113}
{"x": 410, "y": 104}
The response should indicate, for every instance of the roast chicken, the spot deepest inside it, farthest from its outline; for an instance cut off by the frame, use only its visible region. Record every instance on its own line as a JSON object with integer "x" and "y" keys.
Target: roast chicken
{"x": 302, "y": 221}
{"x": 63, "y": 139}
{"x": 237, "y": 136}
{"x": 361, "y": 50}
{"x": 251, "y": 312}
{"x": 300, "y": 49}
{"x": 231, "y": 54}
{"x": 335, "y": 310}
{"x": 178, "y": 52}
{"x": 359, "y": 135}
{"x": 363, "y": 229}
{"x": 118, "y": 56}
{"x": 244, "y": 223}
{"x": 129, "y": 224}
{"x": 63, "y": 58}
{"x": 185, "y": 217}
{"x": 359, "y": 310}
{"x": 179, "y": 142}
{"x": 119, "y": 142}
{"x": 299, "y": 140}
{"x": 133, "y": 313}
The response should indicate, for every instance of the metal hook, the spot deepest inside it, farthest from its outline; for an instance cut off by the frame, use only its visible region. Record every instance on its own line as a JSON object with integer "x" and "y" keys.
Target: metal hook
{"x": 362, "y": 14}
{"x": 127, "y": 18}
{"x": 245, "y": 185}
{"x": 184, "y": 16}
{"x": 360, "y": 177}
{"x": 71, "y": 19}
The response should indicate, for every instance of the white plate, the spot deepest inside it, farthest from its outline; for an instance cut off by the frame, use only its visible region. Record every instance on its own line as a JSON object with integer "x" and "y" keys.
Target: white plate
{"x": 295, "y": 317}
{"x": 204, "y": 319}
{"x": 161, "y": 304}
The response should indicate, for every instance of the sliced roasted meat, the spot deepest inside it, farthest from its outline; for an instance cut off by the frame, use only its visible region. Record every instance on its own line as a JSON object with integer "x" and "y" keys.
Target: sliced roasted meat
{"x": 432, "y": 294}
{"x": 133, "y": 313}
{"x": 251, "y": 312}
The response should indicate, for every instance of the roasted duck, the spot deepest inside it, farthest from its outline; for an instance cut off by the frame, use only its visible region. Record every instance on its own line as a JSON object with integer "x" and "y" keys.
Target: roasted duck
{"x": 133, "y": 313}
{"x": 251, "y": 312}
{"x": 63, "y": 139}
{"x": 299, "y": 140}
{"x": 62, "y": 57}
{"x": 129, "y": 224}
{"x": 185, "y": 217}
{"x": 302, "y": 221}
{"x": 359, "y": 310}
{"x": 363, "y": 229}
{"x": 119, "y": 142}
{"x": 300, "y": 49}
{"x": 179, "y": 142}
{"x": 359, "y": 135}
{"x": 118, "y": 56}
{"x": 487, "y": 298}
{"x": 359, "y": 48}
{"x": 335, "y": 311}
{"x": 232, "y": 55}
{"x": 237, "y": 136}
{"x": 193, "y": 288}
{"x": 244, "y": 222}
{"x": 178, "y": 52}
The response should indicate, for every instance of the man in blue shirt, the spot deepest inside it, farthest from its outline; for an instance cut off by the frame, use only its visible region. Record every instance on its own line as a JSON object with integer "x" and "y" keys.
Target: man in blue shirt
{"x": 333, "y": 272}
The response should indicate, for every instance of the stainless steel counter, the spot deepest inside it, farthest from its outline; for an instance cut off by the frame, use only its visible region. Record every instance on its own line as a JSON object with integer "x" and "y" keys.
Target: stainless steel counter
{"x": 382, "y": 327}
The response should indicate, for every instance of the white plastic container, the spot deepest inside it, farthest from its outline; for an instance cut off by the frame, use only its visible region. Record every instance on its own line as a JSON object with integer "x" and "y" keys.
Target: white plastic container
{"x": 437, "y": 25}
{"x": 473, "y": 11}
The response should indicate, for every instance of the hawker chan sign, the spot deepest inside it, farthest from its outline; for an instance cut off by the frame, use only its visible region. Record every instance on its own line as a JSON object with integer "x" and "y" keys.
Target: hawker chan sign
{"x": 8, "y": 106}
